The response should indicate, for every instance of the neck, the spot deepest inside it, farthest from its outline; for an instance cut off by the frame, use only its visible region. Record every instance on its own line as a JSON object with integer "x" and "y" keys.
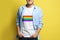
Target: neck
{"x": 29, "y": 5}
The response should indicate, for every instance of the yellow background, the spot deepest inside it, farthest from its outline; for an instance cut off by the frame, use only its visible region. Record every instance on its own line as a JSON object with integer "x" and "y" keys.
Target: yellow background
{"x": 51, "y": 19}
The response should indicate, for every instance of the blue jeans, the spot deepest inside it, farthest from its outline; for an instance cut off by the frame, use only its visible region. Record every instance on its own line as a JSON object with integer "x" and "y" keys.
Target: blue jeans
{"x": 28, "y": 38}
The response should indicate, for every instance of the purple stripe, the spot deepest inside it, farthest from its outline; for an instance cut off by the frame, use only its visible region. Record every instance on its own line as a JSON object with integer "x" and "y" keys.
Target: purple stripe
{"x": 27, "y": 21}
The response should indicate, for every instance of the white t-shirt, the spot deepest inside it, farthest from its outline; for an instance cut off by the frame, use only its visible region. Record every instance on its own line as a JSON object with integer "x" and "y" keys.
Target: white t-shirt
{"x": 28, "y": 28}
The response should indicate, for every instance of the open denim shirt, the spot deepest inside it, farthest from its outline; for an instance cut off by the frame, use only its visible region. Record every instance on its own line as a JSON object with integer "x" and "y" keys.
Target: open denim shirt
{"x": 37, "y": 18}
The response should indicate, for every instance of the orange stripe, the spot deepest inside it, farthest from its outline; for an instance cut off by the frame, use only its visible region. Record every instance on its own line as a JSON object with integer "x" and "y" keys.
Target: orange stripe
{"x": 27, "y": 16}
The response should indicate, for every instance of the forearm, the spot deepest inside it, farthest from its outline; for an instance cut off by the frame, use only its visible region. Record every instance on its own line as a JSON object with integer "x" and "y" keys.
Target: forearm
{"x": 18, "y": 29}
{"x": 38, "y": 30}
{"x": 37, "y": 33}
{"x": 19, "y": 33}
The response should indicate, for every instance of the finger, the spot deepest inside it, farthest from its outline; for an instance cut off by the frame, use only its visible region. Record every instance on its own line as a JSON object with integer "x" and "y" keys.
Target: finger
{"x": 31, "y": 36}
{"x": 22, "y": 36}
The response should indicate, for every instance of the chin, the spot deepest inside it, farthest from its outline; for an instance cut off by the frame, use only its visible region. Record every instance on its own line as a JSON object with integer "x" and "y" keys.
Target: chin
{"x": 30, "y": 3}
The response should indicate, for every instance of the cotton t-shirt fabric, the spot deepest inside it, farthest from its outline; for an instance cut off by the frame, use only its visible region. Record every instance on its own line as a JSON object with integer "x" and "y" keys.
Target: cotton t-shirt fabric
{"x": 27, "y": 19}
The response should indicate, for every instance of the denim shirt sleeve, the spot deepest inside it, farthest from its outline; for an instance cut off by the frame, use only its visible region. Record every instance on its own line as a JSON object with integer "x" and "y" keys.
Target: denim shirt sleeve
{"x": 19, "y": 14}
{"x": 40, "y": 18}
{"x": 18, "y": 18}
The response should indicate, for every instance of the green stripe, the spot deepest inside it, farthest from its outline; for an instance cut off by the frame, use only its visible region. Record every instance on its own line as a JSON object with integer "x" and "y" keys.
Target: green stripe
{"x": 27, "y": 18}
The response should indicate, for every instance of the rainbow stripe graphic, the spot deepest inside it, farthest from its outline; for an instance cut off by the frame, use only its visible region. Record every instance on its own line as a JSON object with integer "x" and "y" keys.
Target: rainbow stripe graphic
{"x": 27, "y": 18}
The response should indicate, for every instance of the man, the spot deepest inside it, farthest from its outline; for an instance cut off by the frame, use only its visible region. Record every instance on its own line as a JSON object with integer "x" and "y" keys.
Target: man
{"x": 29, "y": 21}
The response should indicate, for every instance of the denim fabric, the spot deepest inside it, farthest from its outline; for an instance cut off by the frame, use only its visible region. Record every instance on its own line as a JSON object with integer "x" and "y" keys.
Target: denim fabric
{"x": 37, "y": 18}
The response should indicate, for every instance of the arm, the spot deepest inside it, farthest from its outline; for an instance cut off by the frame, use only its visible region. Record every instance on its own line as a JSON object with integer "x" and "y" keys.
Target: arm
{"x": 40, "y": 21}
{"x": 18, "y": 24}
{"x": 40, "y": 15}
{"x": 37, "y": 32}
{"x": 19, "y": 33}
{"x": 39, "y": 26}
{"x": 18, "y": 29}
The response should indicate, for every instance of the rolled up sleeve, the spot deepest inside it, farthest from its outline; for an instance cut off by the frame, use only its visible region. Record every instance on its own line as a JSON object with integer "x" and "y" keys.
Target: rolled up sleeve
{"x": 40, "y": 18}
{"x": 18, "y": 19}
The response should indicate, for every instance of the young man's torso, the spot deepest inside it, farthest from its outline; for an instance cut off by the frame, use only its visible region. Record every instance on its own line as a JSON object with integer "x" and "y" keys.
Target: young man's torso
{"x": 37, "y": 17}
{"x": 28, "y": 28}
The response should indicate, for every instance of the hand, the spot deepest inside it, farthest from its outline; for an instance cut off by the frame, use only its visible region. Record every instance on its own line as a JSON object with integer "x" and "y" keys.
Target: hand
{"x": 20, "y": 34}
{"x": 35, "y": 35}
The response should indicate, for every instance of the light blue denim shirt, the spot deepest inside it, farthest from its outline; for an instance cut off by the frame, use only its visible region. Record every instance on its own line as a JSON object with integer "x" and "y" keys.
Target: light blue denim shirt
{"x": 37, "y": 18}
